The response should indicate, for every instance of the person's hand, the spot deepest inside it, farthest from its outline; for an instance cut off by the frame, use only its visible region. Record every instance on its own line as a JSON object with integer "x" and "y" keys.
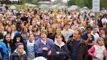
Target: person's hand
{"x": 49, "y": 53}
{"x": 89, "y": 37}
{"x": 57, "y": 52}
{"x": 45, "y": 48}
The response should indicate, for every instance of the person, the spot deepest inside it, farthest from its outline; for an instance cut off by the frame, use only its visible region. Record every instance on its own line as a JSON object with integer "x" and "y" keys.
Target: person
{"x": 58, "y": 31}
{"x": 88, "y": 38}
{"x": 98, "y": 51}
{"x": 43, "y": 45}
{"x": 3, "y": 51}
{"x": 19, "y": 53}
{"x": 59, "y": 50}
{"x": 16, "y": 39}
{"x": 67, "y": 32}
{"x": 30, "y": 47}
{"x": 95, "y": 32}
{"x": 8, "y": 43}
{"x": 51, "y": 33}
{"x": 77, "y": 47}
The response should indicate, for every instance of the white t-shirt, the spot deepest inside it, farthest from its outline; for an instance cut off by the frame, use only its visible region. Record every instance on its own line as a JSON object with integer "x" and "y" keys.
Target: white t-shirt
{"x": 104, "y": 20}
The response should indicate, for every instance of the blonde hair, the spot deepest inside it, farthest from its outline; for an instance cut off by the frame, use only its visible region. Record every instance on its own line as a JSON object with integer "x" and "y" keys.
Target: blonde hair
{"x": 100, "y": 38}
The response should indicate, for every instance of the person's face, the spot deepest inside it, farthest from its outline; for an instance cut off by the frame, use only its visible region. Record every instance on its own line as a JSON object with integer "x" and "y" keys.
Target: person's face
{"x": 100, "y": 42}
{"x": 67, "y": 27}
{"x": 59, "y": 39}
{"x": 102, "y": 32}
{"x": 18, "y": 39}
{"x": 58, "y": 30}
{"x": 30, "y": 27}
{"x": 25, "y": 29}
{"x": 76, "y": 34}
{"x": 95, "y": 30}
{"x": 31, "y": 37}
{"x": 89, "y": 30}
{"x": 2, "y": 28}
{"x": 50, "y": 30}
{"x": 43, "y": 36}
{"x": 13, "y": 27}
{"x": 9, "y": 29}
{"x": 8, "y": 37}
{"x": 33, "y": 22}
{"x": 20, "y": 49}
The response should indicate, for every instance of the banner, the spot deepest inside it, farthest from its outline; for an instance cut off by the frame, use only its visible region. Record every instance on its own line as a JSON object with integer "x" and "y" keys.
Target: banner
{"x": 96, "y": 5}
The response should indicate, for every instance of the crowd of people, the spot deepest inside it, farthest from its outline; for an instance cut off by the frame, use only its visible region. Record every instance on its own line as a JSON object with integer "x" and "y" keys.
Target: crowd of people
{"x": 55, "y": 34}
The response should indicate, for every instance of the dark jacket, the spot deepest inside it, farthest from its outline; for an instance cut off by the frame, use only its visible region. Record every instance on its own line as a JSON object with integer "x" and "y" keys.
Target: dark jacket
{"x": 82, "y": 50}
{"x": 63, "y": 52}
{"x": 15, "y": 56}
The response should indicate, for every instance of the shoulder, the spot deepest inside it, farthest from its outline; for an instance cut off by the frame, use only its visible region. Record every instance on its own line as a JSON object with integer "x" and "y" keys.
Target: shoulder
{"x": 49, "y": 40}
{"x": 71, "y": 30}
{"x": 14, "y": 54}
{"x": 84, "y": 33}
{"x": 2, "y": 44}
{"x": 82, "y": 42}
{"x": 65, "y": 46}
{"x": 38, "y": 41}
{"x": 70, "y": 41}
{"x": 25, "y": 55}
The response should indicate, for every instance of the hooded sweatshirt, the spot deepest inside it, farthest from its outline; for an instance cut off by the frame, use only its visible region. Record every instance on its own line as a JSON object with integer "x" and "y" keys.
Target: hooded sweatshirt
{"x": 62, "y": 49}
{"x": 17, "y": 56}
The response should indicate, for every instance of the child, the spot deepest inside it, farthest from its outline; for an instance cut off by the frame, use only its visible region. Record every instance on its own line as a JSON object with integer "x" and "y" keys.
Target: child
{"x": 98, "y": 51}
{"x": 19, "y": 53}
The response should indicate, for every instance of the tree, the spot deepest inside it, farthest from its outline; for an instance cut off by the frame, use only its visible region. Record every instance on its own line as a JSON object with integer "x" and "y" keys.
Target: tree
{"x": 80, "y": 3}
{"x": 71, "y": 2}
{"x": 23, "y": 1}
{"x": 87, "y": 3}
{"x": 104, "y": 3}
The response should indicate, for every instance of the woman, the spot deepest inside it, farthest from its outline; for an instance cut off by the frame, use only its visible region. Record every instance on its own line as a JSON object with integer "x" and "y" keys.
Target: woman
{"x": 19, "y": 53}
{"x": 59, "y": 50}
{"x": 51, "y": 33}
{"x": 58, "y": 31}
{"x": 16, "y": 39}
{"x": 30, "y": 47}
{"x": 7, "y": 41}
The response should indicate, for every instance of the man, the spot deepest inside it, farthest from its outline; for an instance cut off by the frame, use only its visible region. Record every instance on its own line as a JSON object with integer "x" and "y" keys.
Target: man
{"x": 77, "y": 47}
{"x": 95, "y": 33}
{"x": 43, "y": 46}
{"x": 19, "y": 53}
{"x": 88, "y": 38}
{"x": 67, "y": 32}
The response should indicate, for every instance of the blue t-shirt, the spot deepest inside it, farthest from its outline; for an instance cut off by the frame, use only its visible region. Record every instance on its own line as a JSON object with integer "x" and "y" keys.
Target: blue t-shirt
{"x": 84, "y": 36}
